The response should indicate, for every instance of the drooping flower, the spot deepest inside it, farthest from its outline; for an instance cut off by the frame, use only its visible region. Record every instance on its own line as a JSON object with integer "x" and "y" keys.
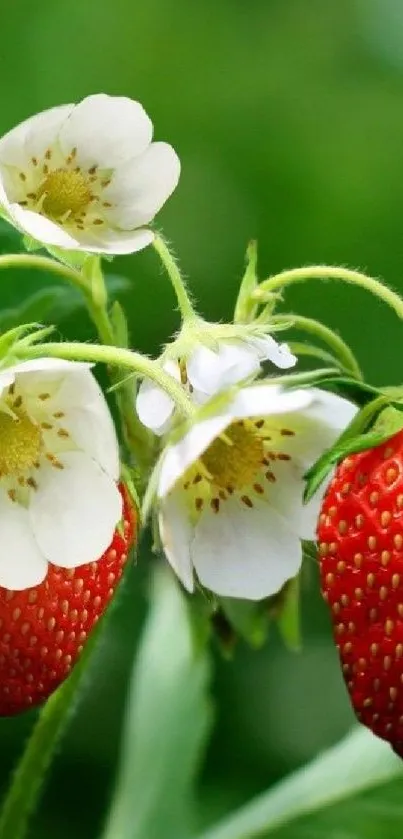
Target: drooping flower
{"x": 87, "y": 176}
{"x": 59, "y": 466}
{"x": 208, "y": 371}
{"x": 230, "y": 491}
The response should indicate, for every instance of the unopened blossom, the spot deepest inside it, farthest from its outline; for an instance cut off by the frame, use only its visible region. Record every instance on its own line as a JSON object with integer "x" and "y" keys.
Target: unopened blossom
{"x": 230, "y": 491}
{"x": 208, "y": 371}
{"x": 59, "y": 464}
{"x": 87, "y": 176}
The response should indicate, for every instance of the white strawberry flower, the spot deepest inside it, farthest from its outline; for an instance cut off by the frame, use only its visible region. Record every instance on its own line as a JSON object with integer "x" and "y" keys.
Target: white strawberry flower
{"x": 59, "y": 466}
{"x": 87, "y": 177}
{"x": 208, "y": 371}
{"x": 230, "y": 491}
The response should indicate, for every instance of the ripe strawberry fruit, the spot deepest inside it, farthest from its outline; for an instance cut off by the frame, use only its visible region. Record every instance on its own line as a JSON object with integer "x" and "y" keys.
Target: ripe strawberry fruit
{"x": 360, "y": 534}
{"x": 43, "y": 629}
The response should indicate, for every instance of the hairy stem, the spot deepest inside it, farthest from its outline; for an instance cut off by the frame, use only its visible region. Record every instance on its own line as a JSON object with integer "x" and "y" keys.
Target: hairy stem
{"x": 175, "y": 276}
{"x": 329, "y": 272}
{"x": 324, "y": 333}
{"x": 118, "y": 357}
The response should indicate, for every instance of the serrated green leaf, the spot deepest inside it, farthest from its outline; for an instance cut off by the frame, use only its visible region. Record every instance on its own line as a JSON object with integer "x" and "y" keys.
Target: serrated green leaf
{"x": 168, "y": 719}
{"x": 353, "y": 791}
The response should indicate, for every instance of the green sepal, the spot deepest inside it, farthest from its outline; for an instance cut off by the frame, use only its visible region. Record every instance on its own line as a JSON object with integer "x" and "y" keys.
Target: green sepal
{"x": 27, "y": 333}
{"x": 73, "y": 259}
{"x": 245, "y": 307}
{"x": 31, "y": 244}
{"x": 129, "y": 478}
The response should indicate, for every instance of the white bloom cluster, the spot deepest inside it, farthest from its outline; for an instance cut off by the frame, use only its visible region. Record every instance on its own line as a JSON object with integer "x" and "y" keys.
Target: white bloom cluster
{"x": 207, "y": 372}
{"x": 230, "y": 491}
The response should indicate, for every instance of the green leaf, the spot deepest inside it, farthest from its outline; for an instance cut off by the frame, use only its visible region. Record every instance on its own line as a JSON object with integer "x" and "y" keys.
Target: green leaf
{"x": 352, "y": 791}
{"x": 167, "y": 722}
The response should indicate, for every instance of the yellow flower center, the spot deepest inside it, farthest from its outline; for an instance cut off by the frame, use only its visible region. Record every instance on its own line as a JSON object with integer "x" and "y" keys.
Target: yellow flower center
{"x": 20, "y": 443}
{"x": 233, "y": 459}
{"x": 65, "y": 191}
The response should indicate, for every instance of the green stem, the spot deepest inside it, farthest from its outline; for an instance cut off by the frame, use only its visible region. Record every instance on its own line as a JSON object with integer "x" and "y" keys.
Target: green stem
{"x": 43, "y": 263}
{"x": 330, "y": 272}
{"x": 175, "y": 276}
{"x": 137, "y": 437}
{"x": 319, "y": 330}
{"x": 118, "y": 357}
{"x": 23, "y": 794}
{"x": 300, "y": 348}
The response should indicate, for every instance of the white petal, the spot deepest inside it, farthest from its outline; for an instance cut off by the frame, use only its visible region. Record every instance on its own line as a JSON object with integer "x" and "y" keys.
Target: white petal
{"x": 331, "y": 409}
{"x": 268, "y": 400}
{"x": 41, "y": 228}
{"x": 179, "y": 456}
{"x": 153, "y": 405}
{"x": 22, "y": 564}
{"x": 106, "y": 131}
{"x": 46, "y": 365}
{"x": 245, "y": 552}
{"x": 269, "y": 350}
{"x": 75, "y": 511}
{"x": 176, "y": 534}
{"x": 4, "y": 201}
{"x": 33, "y": 136}
{"x": 286, "y": 496}
{"x": 315, "y": 428}
{"x": 114, "y": 241}
{"x": 7, "y": 378}
{"x": 139, "y": 189}
{"x": 88, "y": 419}
{"x": 34, "y": 366}
{"x": 211, "y": 371}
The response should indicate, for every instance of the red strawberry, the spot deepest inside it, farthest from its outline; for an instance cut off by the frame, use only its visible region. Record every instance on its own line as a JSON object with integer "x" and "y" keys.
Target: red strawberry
{"x": 360, "y": 534}
{"x": 43, "y": 629}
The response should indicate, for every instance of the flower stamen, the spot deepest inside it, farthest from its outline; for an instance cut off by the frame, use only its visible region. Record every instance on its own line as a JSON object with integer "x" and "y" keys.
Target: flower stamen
{"x": 20, "y": 443}
{"x": 65, "y": 191}
{"x": 234, "y": 459}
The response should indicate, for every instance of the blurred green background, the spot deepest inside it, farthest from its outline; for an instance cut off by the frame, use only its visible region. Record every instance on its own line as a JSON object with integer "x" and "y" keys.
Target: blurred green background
{"x": 288, "y": 118}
